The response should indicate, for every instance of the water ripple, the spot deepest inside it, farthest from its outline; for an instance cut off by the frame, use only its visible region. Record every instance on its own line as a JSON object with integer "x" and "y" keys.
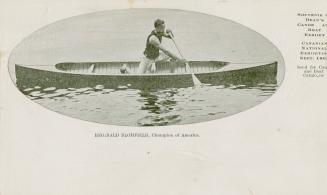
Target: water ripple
{"x": 124, "y": 106}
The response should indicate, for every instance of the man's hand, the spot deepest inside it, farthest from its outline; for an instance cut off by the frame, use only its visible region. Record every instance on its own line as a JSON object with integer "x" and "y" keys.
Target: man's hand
{"x": 169, "y": 33}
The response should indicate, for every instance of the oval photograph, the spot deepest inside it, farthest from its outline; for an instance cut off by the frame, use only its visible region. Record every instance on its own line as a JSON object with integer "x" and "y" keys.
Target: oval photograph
{"x": 146, "y": 67}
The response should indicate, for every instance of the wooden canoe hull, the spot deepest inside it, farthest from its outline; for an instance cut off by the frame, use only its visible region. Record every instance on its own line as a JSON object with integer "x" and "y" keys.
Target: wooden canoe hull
{"x": 31, "y": 77}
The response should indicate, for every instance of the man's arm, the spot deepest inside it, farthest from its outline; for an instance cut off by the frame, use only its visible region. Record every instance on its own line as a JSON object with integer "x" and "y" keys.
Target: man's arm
{"x": 155, "y": 41}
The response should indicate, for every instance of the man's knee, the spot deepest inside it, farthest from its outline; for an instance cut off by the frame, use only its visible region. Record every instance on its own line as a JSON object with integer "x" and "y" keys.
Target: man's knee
{"x": 153, "y": 68}
{"x": 141, "y": 68}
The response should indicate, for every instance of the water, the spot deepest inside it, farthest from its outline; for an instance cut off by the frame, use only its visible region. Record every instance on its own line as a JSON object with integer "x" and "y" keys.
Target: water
{"x": 111, "y": 36}
{"x": 133, "y": 107}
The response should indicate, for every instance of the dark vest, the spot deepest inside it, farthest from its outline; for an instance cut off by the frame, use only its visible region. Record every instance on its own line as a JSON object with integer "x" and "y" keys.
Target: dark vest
{"x": 151, "y": 51}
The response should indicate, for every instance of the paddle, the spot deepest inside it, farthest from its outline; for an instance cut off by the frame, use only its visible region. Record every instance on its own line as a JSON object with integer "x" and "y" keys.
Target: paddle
{"x": 91, "y": 68}
{"x": 196, "y": 81}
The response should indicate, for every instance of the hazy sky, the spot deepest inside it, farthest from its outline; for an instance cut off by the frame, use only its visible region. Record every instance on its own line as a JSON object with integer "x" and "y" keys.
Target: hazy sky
{"x": 120, "y": 35}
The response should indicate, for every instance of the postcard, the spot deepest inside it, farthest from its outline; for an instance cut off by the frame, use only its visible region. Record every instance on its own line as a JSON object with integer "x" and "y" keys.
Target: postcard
{"x": 163, "y": 97}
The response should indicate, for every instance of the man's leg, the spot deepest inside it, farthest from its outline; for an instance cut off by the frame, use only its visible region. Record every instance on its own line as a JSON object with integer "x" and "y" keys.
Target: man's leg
{"x": 144, "y": 65}
{"x": 164, "y": 58}
{"x": 153, "y": 67}
{"x": 161, "y": 57}
{"x": 172, "y": 66}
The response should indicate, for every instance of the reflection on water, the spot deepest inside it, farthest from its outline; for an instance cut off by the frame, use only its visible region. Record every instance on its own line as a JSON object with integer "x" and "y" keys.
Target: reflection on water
{"x": 133, "y": 107}
{"x": 159, "y": 103}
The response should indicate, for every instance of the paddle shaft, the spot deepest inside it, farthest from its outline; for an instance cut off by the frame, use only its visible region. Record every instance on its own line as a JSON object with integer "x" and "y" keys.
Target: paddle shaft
{"x": 180, "y": 53}
{"x": 196, "y": 81}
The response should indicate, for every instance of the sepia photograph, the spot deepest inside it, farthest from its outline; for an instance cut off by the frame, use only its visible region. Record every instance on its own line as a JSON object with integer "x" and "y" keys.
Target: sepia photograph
{"x": 146, "y": 67}
{"x": 163, "y": 97}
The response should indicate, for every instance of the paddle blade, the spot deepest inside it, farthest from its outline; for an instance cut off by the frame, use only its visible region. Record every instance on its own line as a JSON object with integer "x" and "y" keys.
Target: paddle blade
{"x": 196, "y": 81}
{"x": 91, "y": 68}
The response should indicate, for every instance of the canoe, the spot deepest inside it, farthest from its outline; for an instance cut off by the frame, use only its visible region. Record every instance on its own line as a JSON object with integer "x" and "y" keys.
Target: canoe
{"x": 167, "y": 75}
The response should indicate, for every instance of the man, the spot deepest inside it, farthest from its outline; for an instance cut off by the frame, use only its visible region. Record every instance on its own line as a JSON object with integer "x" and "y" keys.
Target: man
{"x": 154, "y": 50}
